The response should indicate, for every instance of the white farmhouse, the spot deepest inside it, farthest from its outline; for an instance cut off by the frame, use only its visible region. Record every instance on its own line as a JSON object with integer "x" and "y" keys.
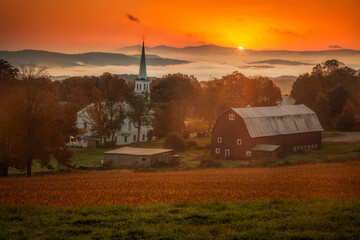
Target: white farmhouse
{"x": 128, "y": 132}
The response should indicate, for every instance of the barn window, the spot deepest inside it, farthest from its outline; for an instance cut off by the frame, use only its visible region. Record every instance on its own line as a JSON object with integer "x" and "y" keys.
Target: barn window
{"x": 238, "y": 141}
{"x": 248, "y": 154}
{"x": 219, "y": 139}
{"x": 217, "y": 150}
{"x": 231, "y": 117}
{"x": 294, "y": 149}
{"x": 316, "y": 146}
{"x": 312, "y": 146}
{"x": 125, "y": 138}
{"x": 134, "y": 137}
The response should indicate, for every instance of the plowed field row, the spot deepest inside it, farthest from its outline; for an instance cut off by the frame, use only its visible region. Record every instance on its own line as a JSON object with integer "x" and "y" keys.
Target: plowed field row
{"x": 333, "y": 180}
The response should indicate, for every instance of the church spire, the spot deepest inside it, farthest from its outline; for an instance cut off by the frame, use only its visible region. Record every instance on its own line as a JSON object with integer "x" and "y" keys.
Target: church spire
{"x": 142, "y": 71}
{"x": 142, "y": 84}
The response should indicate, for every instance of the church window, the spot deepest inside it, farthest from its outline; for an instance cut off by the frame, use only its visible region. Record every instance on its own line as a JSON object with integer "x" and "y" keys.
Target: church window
{"x": 238, "y": 141}
{"x": 125, "y": 138}
{"x": 219, "y": 139}
{"x": 129, "y": 126}
{"x": 217, "y": 150}
{"x": 134, "y": 137}
{"x": 143, "y": 137}
{"x": 85, "y": 124}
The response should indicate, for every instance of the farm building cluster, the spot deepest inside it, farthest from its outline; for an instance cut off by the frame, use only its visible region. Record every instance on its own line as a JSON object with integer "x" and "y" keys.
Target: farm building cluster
{"x": 265, "y": 131}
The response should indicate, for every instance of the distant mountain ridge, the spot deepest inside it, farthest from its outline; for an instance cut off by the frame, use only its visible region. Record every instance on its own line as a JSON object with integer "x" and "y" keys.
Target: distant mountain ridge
{"x": 242, "y": 58}
{"x": 211, "y": 49}
{"x": 55, "y": 59}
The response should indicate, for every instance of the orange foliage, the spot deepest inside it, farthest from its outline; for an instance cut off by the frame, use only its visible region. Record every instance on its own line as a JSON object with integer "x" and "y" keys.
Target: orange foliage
{"x": 96, "y": 188}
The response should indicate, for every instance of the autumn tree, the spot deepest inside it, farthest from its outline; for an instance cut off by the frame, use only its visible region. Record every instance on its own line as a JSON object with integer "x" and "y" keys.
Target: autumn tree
{"x": 42, "y": 125}
{"x": 346, "y": 120}
{"x": 140, "y": 110}
{"x": 337, "y": 98}
{"x": 116, "y": 116}
{"x": 181, "y": 89}
{"x": 332, "y": 80}
{"x": 36, "y": 124}
{"x": 209, "y": 104}
{"x": 8, "y": 83}
{"x": 167, "y": 120}
{"x": 97, "y": 118}
{"x": 236, "y": 90}
{"x": 112, "y": 87}
{"x": 79, "y": 91}
{"x": 261, "y": 91}
{"x": 322, "y": 109}
{"x": 305, "y": 89}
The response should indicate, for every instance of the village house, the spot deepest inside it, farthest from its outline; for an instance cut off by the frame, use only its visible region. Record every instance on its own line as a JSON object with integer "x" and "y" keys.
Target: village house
{"x": 128, "y": 132}
{"x": 264, "y": 131}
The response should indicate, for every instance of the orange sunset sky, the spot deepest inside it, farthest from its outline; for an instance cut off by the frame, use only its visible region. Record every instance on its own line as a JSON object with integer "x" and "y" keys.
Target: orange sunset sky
{"x": 94, "y": 25}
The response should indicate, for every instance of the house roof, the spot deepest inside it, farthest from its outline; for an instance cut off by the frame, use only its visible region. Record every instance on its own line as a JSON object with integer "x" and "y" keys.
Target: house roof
{"x": 265, "y": 147}
{"x": 138, "y": 151}
{"x": 279, "y": 120}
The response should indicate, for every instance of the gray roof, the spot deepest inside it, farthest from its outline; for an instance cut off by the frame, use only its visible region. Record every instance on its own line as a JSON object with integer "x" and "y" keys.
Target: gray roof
{"x": 265, "y": 147}
{"x": 279, "y": 120}
{"x": 138, "y": 151}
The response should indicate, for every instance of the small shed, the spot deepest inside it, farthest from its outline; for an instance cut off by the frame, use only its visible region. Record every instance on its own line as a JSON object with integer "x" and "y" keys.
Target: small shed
{"x": 265, "y": 151}
{"x": 92, "y": 141}
{"x": 129, "y": 156}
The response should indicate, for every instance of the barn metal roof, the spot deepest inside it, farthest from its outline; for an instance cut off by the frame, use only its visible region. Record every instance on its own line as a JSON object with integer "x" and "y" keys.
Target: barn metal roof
{"x": 265, "y": 147}
{"x": 138, "y": 151}
{"x": 279, "y": 120}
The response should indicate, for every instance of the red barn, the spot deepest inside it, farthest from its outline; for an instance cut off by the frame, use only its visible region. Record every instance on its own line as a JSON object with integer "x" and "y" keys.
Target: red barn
{"x": 263, "y": 131}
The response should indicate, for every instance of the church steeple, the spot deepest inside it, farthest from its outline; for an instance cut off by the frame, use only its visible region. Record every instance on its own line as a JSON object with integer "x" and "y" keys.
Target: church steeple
{"x": 142, "y": 84}
{"x": 142, "y": 71}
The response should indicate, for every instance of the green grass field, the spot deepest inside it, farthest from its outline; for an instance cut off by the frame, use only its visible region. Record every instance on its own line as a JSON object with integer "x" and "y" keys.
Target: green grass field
{"x": 266, "y": 219}
{"x": 190, "y": 158}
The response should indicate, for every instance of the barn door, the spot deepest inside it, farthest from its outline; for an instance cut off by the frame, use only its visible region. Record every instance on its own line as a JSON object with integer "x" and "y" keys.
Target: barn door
{"x": 227, "y": 153}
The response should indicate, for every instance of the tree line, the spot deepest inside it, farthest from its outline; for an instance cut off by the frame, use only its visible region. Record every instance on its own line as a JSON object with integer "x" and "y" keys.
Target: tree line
{"x": 332, "y": 90}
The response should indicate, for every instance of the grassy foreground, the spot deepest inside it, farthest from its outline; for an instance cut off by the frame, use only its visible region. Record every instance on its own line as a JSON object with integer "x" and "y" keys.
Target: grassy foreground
{"x": 266, "y": 219}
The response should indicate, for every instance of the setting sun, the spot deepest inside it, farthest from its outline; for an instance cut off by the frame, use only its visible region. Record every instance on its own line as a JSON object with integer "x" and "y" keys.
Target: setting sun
{"x": 241, "y": 48}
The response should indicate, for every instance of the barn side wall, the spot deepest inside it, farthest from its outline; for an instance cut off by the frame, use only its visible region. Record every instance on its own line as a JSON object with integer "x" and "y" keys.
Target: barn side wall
{"x": 120, "y": 160}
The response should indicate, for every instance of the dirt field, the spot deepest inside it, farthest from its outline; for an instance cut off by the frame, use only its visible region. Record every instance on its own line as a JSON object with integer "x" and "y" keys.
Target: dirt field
{"x": 334, "y": 180}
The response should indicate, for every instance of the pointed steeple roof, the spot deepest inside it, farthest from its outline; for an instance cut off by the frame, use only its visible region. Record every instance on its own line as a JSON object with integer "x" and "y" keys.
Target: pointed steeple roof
{"x": 142, "y": 71}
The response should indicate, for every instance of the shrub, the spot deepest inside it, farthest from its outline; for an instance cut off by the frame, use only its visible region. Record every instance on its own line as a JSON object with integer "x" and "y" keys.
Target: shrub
{"x": 175, "y": 141}
{"x": 190, "y": 144}
{"x": 108, "y": 144}
{"x": 209, "y": 162}
{"x": 108, "y": 164}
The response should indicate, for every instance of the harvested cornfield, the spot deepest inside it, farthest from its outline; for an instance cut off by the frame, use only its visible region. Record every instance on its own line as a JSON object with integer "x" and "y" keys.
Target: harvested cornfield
{"x": 331, "y": 180}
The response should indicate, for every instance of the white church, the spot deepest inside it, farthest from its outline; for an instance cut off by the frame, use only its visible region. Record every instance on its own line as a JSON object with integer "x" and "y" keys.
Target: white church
{"x": 128, "y": 133}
